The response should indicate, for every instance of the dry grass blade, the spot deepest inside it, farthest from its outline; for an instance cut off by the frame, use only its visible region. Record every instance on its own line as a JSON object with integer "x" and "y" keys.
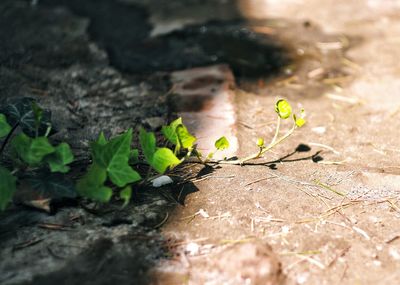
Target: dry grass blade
{"x": 327, "y": 187}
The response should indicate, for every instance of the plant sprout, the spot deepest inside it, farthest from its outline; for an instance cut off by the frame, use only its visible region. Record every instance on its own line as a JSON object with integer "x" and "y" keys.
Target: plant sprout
{"x": 113, "y": 168}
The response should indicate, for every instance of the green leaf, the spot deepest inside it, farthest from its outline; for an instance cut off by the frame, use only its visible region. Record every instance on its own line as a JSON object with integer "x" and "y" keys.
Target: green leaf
{"x": 260, "y": 142}
{"x": 53, "y": 185}
{"x": 186, "y": 140}
{"x": 104, "y": 153}
{"x": 163, "y": 159}
{"x": 114, "y": 157}
{"x": 169, "y": 131}
{"x": 8, "y": 186}
{"x": 283, "y": 109}
{"x": 59, "y": 159}
{"x": 101, "y": 140}
{"x": 148, "y": 144}
{"x": 177, "y": 134}
{"x": 134, "y": 155}
{"x": 126, "y": 195}
{"x": 222, "y": 143}
{"x": 5, "y": 128}
{"x": 92, "y": 184}
{"x": 38, "y": 115}
{"x": 21, "y": 111}
{"x": 32, "y": 151}
{"x": 300, "y": 122}
{"x": 159, "y": 158}
{"x": 121, "y": 173}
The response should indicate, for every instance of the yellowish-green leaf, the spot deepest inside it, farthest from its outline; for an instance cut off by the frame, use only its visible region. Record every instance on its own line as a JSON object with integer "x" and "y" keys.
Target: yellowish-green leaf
{"x": 300, "y": 122}
{"x": 222, "y": 143}
{"x": 283, "y": 108}
{"x": 186, "y": 140}
{"x": 169, "y": 131}
{"x": 164, "y": 159}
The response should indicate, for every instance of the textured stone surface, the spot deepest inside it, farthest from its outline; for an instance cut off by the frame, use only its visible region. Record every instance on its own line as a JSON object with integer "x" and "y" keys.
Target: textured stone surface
{"x": 205, "y": 97}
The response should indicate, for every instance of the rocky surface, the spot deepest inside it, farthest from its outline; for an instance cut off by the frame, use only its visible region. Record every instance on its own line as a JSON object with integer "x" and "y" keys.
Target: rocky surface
{"x": 47, "y": 53}
{"x": 98, "y": 72}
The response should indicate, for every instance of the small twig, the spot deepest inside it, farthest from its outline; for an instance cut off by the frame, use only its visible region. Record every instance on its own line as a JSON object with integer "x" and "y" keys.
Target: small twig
{"x": 340, "y": 254}
{"x": 8, "y": 137}
{"x": 162, "y": 222}
{"x": 319, "y": 183}
{"x": 56, "y": 227}
{"x": 259, "y": 180}
{"x": 344, "y": 272}
{"x": 212, "y": 176}
{"x": 306, "y": 252}
{"x": 26, "y": 244}
{"x": 392, "y": 239}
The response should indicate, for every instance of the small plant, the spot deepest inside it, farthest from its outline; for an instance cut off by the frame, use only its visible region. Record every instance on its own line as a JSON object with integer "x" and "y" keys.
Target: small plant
{"x": 113, "y": 160}
{"x": 32, "y": 155}
{"x": 284, "y": 111}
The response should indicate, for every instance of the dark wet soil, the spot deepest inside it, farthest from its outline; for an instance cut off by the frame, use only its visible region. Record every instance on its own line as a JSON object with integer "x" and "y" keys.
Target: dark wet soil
{"x": 123, "y": 30}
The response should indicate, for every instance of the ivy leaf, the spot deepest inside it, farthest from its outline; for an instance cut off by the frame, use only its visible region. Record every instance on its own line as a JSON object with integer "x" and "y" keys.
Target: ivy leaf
{"x": 121, "y": 173}
{"x": 32, "y": 151}
{"x": 163, "y": 159}
{"x": 52, "y": 185}
{"x": 169, "y": 131}
{"x": 7, "y": 187}
{"x": 159, "y": 158}
{"x": 21, "y": 112}
{"x": 186, "y": 140}
{"x": 5, "y": 128}
{"x": 283, "y": 109}
{"x": 102, "y": 139}
{"x": 126, "y": 195}
{"x": 148, "y": 143}
{"x": 92, "y": 184}
{"x": 114, "y": 157}
{"x": 134, "y": 156}
{"x": 38, "y": 115}
{"x": 60, "y": 158}
{"x": 177, "y": 134}
{"x": 222, "y": 143}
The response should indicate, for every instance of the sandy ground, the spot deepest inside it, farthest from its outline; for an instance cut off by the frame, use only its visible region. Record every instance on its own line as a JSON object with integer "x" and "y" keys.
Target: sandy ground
{"x": 352, "y": 107}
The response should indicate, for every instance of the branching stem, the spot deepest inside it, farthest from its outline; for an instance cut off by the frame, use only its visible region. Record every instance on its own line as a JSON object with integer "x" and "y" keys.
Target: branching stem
{"x": 263, "y": 150}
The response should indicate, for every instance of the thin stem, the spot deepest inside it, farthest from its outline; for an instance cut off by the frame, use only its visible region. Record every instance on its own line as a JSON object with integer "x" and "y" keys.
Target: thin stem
{"x": 278, "y": 141}
{"x": 262, "y": 151}
{"x": 48, "y": 130}
{"x": 278, "y": 125}
{"x": 3, "y": 146}
{"x": 199, "y": 158}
